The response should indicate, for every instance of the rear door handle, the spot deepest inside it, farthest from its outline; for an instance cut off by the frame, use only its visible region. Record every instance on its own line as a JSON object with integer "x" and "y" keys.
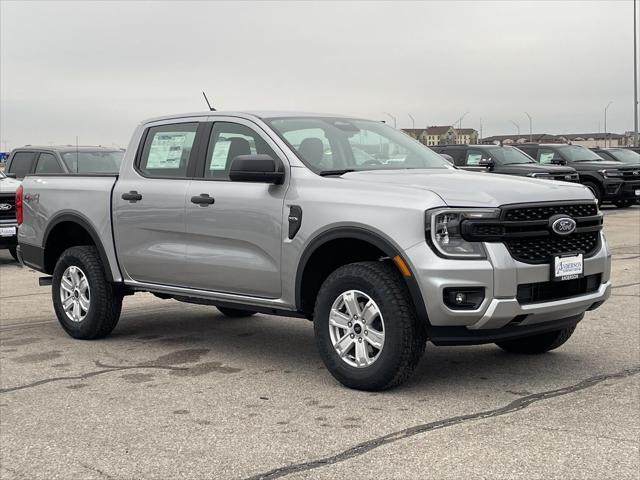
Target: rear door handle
{"x": 203, "y": 200}
{"x": 132, "y": 196}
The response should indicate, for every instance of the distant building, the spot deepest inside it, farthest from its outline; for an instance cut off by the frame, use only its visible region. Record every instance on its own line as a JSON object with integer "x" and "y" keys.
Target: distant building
{"x": 443, "y": 135}
{"x": 535, "y": 138}
{"x": 590, "y": 140}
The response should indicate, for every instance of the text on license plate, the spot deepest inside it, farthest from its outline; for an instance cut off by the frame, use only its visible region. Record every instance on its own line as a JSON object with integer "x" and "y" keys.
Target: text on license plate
{"x": 568, "y": 268}
{"x": 7, "y": 231}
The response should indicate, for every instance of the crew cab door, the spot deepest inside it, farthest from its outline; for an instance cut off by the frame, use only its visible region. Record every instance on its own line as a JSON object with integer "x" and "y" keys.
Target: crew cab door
{"x": 234, "y": 229}
{"x": 149, "y": 204}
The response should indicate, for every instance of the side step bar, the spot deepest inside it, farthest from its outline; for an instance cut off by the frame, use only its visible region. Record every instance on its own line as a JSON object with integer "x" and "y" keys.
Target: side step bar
{"x": 45, "y": 281}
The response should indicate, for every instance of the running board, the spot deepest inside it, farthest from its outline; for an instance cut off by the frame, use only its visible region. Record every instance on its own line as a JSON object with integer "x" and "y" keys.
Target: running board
{"x": 45, "y": 281}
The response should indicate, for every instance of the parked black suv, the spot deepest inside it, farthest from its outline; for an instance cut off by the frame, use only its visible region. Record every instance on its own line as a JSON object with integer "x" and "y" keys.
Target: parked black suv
{"x": 609, "y": 181}
{"x": 503, "y": 159}
{"x": 66, "y": 159}
{"x": 624, "y": 155}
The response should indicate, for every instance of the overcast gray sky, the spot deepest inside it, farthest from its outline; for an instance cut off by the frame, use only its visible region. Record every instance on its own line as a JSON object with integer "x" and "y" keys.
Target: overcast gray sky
{"x": 95, "y": 69}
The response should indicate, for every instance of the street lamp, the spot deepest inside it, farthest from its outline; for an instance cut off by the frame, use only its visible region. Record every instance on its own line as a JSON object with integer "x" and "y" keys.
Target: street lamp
{"x": 530, "y": 127}
{"x": 517, "y": 126}
{"x": 605, "y": 123}
{"x": 413, "y": 121}
{"x": 459, "y": 121}
{"x": 392, "y": 118}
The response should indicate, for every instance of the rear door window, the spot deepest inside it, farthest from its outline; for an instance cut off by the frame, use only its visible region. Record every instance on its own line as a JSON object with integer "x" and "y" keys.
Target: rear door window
{"x": 167, "y": 150}
{"x": 48, "y": 163}
{"x": 21, "y": 163}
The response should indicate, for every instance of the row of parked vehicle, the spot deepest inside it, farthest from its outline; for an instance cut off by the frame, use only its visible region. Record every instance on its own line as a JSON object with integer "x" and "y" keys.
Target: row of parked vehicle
{"x": 612, "y": 174}
{"x": 49, "y": 160}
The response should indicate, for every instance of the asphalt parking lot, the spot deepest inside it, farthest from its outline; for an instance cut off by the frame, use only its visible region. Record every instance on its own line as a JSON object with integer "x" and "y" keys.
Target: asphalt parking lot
{"x": 179, "y": 391}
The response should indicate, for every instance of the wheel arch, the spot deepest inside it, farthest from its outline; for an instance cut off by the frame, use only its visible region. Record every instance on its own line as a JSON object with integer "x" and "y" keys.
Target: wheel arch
{"x": 367, "y": 236}
{"x": 61, "y": 223}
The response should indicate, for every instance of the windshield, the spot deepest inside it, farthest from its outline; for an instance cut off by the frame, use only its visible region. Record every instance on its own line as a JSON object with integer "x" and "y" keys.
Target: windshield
{"x": 327, "y": 144}
{"x": 626, "y": 156}
{"x": 576, "y": 153}
{"x": 509, "y": 155}
{"x": 98, "y": 161}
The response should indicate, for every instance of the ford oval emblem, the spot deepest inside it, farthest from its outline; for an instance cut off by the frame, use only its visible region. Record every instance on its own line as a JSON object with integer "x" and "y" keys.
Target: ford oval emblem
{"x": 5, "y": 206}
{"x": 563, "y": 225}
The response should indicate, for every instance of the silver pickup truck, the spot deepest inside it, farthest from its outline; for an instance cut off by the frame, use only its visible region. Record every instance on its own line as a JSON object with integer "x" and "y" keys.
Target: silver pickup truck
{"x": 346, "y": 222}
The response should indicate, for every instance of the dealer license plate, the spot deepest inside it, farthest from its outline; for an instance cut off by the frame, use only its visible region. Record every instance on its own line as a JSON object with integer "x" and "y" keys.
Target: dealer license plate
{"x": 568, "y": 267}
{"x": 637, "y": 193}
{"x": 7, "y": 231}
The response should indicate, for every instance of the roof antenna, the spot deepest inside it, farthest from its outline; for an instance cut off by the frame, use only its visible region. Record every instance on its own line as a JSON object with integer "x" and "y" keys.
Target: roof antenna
{"x": 211, "y": 109}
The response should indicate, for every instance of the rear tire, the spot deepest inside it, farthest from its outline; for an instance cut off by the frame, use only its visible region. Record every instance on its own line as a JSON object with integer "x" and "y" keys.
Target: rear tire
{"x": 87, "y": 305}
{"x": 536, "y": 344}
{"x": 14, "y": 253}
{"x": 390, "y": 321}
{"x": 595, "y": 189}
{"x": 235, "y": 312}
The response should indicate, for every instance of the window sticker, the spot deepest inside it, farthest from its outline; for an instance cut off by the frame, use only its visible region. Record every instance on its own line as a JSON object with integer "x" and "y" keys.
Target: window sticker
{"x": 167, "y": 148}
{"x": 474, "y": 159}
{"x": 546, "y": 157}
{"x": 220, "y": 153}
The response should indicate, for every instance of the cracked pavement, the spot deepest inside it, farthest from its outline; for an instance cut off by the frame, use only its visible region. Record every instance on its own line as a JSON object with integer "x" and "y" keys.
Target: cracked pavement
{"x": 179, "y": 391}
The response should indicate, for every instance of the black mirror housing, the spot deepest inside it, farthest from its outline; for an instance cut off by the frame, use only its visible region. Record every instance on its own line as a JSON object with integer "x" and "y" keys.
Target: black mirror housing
{"x": 258, "y": 168}
{"x": 487, "y": 162}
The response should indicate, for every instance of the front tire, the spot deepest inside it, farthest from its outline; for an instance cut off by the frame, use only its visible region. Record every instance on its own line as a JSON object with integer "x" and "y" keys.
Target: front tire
{"x": 87, "y": 305}
{"x": 536, "y": 344}
{"x": 366, "y": 328}
{"x": 595, "y": 189}
{"x": 623, "y": 203}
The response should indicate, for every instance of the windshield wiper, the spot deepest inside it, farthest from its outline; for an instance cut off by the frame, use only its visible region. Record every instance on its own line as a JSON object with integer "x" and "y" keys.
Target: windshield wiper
{"x": 325, "y": 173}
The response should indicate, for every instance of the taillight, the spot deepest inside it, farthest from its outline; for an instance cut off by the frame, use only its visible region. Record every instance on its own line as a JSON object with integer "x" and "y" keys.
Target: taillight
{"x": 19, "y": 210}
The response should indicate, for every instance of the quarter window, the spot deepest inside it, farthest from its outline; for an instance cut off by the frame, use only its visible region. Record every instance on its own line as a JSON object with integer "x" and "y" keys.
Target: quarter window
{"x": 229, "y": 140}
{"x": 48, "y": 163}
{"x": 167, "y": 150}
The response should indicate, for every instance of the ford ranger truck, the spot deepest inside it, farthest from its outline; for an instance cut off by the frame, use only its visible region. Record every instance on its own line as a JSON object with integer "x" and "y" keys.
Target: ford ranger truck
{"x": 346, "y": 222}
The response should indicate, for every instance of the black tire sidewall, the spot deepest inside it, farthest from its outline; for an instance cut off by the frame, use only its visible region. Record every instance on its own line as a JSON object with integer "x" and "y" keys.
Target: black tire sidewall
{"x": 384, "y": 369}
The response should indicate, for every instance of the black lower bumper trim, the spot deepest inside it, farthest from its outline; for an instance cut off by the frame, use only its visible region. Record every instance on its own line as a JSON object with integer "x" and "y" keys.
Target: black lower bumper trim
{"x": 464, "y": 336}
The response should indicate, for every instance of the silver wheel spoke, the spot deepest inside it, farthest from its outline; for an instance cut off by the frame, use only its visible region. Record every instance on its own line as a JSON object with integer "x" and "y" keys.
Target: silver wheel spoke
{"x": 66, "y": 284}
{"x": 343, "y": 345}
{"x": 375, "y": 338}
{"x": 75, "y": 278}
{"x": 83, "y": 285}
{"x": 84, "y": 303}
{"x": 76, "y": 311}
{"x": 67, "y": 303}
{"x": 338, "y": 319}
{"x": 369, "y": 312}
{"x": 351, "y": 303}
{"x": 362, "y": 356}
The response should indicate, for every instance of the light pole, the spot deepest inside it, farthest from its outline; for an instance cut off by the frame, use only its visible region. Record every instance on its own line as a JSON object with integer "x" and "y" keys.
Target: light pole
{"x": 530, "y": 127}
{"x": 635, "y": 76}
{"x": 459, "y": 121}
{"x": 392, "y": 118}
{"x": 413, "y": 121}
{"x": 517, "y": 126}
{"x": 605, "y": 123}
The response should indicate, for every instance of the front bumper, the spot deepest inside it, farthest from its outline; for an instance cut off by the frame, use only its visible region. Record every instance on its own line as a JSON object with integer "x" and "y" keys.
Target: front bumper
{"x": 620, "y": 190}
{"x": 500, "y": 276}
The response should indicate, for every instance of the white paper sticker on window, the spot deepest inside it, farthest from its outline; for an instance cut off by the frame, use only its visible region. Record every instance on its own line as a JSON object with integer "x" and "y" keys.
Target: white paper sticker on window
{"x": 546, "y": 157}
{"x": 220, "y": 153}
{"x": 474, "y": 158}
{"x": 167, "y": 149}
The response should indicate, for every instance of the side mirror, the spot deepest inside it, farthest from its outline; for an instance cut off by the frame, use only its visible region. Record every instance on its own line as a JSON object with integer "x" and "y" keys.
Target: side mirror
{"x": 10, "y": 175}
{"x": 255, "y": 168}
{"x": 558, "y": 161}
{"x": 487, "y": 162}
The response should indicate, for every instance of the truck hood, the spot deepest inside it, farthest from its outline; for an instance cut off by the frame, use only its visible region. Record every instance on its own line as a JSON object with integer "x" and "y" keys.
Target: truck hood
{"x": 471, "y": 189}
{"x": 8, "y": 185}
{"x": 596, "y": 165}
{"x": 525, "y": 168}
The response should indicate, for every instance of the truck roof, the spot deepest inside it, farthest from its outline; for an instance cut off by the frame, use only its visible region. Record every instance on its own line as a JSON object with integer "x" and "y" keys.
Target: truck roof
{"x": 245, "y": 114}
{"x": 68, "y": 148}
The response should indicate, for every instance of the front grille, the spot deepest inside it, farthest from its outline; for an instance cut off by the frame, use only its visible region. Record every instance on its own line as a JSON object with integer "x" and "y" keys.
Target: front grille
{"x": 630, "y": 175}
{"x": 542, "y": 249}
{"x": 543, "y": 212}
{"x": 548, "y": 291}
{"x": 7, "y": 206}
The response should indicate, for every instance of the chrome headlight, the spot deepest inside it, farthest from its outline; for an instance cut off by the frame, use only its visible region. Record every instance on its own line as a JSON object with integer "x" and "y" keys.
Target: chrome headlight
{"x": 443, "y": 228}
{"x": 610, "y": 173}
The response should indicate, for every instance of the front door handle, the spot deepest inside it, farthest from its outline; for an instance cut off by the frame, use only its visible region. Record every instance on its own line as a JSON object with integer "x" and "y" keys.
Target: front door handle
{"x": 203, "y": 200}
{"x": 132, "y": 196}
